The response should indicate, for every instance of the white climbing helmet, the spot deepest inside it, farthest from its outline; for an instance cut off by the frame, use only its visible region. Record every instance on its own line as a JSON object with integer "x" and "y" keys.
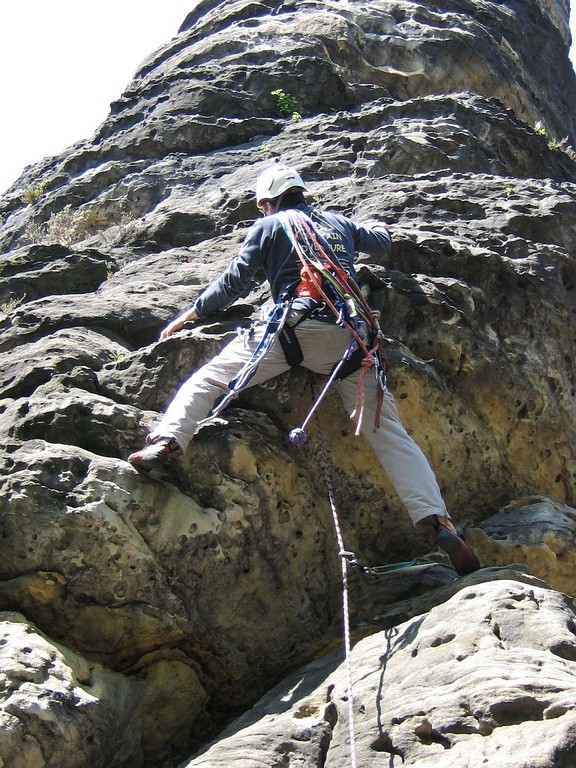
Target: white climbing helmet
{"x": 276, "y": 180}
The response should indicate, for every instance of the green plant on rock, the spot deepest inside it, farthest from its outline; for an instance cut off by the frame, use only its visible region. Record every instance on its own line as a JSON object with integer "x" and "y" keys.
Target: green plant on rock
{"x": 540, "y": 128}
{"x": 11, "y": 304}
{"x": 34, "y": 192}
{"x": 287, "y": 104}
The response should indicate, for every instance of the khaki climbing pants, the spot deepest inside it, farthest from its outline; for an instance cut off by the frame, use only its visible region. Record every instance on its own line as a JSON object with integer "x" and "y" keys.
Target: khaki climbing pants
{"x": 323, "y": 345}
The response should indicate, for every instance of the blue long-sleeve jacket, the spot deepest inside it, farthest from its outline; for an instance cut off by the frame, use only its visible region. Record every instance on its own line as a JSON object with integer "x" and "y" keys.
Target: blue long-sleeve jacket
{"x": 268, "y": 247}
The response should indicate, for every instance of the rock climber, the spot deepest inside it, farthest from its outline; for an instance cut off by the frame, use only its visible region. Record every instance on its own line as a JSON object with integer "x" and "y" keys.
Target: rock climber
{"x": 322, "y": 342}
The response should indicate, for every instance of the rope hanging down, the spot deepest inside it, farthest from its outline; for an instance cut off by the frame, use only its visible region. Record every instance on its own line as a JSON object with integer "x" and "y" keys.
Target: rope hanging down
{"x": 344, "y": 559}
{"x": 349, "y": 559}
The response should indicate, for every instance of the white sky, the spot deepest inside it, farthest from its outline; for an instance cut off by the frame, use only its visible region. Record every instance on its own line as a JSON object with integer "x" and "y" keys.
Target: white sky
{"x": 62, "y": 63}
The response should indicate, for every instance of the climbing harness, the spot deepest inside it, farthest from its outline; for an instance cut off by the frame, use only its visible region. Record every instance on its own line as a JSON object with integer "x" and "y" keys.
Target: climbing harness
{"x": 324, "y": 278}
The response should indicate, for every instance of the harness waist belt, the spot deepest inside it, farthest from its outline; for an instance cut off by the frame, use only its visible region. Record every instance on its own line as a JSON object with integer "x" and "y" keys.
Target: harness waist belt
{"x": 293, "y": 352}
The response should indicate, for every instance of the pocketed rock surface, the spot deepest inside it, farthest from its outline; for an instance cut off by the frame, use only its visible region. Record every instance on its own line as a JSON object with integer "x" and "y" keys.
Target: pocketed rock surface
{"x": 143, "y": 616}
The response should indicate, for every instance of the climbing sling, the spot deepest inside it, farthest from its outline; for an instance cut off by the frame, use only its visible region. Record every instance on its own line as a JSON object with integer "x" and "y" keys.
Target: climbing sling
{"x": 323, "y": 278}
{"x": 274, "y": 325}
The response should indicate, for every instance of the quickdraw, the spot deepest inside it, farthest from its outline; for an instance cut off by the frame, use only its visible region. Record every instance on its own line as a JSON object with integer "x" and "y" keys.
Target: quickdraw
{"x": 407, "y": 566}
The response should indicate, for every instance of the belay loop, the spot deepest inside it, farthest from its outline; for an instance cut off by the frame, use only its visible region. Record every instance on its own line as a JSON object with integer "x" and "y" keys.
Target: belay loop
{"x": 324, "y": 278}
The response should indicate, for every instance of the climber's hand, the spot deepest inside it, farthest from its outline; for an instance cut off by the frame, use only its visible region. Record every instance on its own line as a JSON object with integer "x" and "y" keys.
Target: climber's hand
{"x": 178, "y": 323}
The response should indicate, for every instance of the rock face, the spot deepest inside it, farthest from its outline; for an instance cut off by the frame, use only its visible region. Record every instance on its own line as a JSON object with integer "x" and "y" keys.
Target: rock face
{"x": 422, "y": 695}
{"x": 141, "y": 616}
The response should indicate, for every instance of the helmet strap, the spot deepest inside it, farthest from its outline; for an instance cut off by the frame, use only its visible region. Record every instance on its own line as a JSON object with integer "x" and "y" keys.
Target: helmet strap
{"x": 277, "y": 202}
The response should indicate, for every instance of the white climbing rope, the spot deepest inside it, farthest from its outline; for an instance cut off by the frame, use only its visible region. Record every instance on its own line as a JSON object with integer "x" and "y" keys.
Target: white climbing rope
{"x": 344, "y": 559}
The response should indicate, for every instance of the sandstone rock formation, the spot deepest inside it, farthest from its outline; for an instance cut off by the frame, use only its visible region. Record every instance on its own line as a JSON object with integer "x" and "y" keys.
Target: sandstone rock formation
{"x": 141, "y": 616}
{"x": 422, "y": 695}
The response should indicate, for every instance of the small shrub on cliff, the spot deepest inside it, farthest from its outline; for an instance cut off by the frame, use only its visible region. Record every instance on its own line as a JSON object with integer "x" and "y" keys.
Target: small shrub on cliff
{"x": 34, "y": 192}
{"x": 564, "y": 146}
{"x": 287, "y": 104}
{"x": 117, "y": 233}
{"x": 60, "y": 228}
{"x": 540, "y": 129}
{"x": 67, "y": 227}
{"x": 10, "y": 305}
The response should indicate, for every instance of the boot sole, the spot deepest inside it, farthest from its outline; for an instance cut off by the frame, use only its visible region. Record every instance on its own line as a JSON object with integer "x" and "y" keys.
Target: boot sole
{"x": 461, "y": 556}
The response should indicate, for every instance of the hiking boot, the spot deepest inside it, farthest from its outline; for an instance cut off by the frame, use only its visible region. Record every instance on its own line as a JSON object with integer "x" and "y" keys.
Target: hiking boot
{"x": 155, "y": 454}
{"x": 461, "y": 556}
